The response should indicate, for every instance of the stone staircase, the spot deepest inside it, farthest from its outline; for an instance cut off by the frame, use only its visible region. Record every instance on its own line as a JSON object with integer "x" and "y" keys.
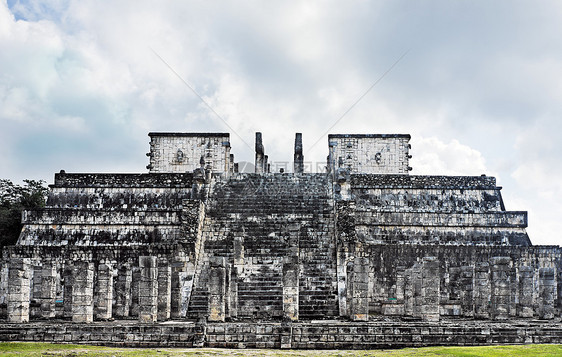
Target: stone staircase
{"x": 258, "y": 223}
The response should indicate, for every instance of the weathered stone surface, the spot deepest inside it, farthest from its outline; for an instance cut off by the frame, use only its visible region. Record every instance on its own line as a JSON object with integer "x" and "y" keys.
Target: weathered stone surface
{"x": 164, "y": 290}
{"x": 123, "y": 287}
{"x": 82, "y": 291}
{"x": 302, "y": 335}
{"x": 372, "y": 154}
{"x": 18, "y": 290}
{"x": 103, "y": 306}
{"x": 148, "y": 289}
{"x": 362, "y": 242}
{"x": 181, "y": 152}
{"x": 298, "y": 166}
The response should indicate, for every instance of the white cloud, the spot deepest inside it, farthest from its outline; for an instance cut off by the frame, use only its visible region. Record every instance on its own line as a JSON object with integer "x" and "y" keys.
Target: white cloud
{"x": 431, "y": 156}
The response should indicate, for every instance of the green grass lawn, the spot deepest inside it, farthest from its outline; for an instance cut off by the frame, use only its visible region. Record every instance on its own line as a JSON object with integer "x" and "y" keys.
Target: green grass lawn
{"x": 21, "y": 349}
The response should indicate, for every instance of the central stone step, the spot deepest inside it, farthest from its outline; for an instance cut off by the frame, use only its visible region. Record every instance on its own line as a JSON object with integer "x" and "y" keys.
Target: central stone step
{"x": 262, "y": 224}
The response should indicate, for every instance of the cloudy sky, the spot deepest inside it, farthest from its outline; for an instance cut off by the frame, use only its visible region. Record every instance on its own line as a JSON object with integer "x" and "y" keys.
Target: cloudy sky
{"x": 477, "y": 84}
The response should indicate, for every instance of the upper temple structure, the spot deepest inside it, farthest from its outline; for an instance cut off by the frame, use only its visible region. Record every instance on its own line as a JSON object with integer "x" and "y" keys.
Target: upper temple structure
{"x": 194, "y": 239}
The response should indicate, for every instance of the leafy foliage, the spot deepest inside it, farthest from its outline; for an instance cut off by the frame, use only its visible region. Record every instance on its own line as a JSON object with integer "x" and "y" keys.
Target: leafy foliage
{"x": 13, "y": 200}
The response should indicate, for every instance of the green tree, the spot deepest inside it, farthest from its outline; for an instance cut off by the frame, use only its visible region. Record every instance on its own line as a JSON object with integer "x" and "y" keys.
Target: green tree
{"x": 13, "y": 200}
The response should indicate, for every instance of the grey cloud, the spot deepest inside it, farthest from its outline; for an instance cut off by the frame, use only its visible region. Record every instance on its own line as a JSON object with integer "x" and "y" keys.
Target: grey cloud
{"x": 484, "y": 73}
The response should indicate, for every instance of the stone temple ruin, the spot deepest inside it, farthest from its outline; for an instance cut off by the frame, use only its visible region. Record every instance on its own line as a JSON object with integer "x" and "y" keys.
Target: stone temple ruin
{"x": 194, "y": 253}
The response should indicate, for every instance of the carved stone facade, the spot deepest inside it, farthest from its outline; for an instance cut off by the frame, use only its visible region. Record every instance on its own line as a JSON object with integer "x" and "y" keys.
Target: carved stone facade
{"x": 185, "y": 152}
{"x": 193, "y": 240}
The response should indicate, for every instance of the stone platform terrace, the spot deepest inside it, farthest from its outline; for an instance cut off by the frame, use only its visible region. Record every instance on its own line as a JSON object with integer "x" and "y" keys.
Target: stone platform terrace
{"x": 319, "y": 334}
{"x": 196, "y": 254}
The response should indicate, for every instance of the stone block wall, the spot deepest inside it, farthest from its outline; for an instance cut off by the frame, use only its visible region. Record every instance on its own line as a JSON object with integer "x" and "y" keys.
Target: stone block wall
{"x": 369, "y": 154}
{"x": 318, "y": 335}
{"x": 94, "y": 209}
{"x": 434, "y": 210}
{"x": 185, "y": 152}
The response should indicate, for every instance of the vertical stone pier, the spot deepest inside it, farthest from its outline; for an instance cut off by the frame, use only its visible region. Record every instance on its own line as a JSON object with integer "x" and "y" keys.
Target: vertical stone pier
{"x": 123, "y": 291}
{"x": 135, "y": 284}
{"x": 217, "y": 289}
{"x": 67, "y": 290}
{"x": 83, "y": 292}
{"x": 525, "y": 291}
{"x": 164, "y": 290}
{"x": 467, "y": 290}
{"x": 500, "y": 269}
{"x": 291, "y": 289}
{"x": 430, "y": 289}
{"x": 260, "y": 159}
{"x": 18, "y": 289}
{"x": 346, "y": 241}
{"x": 181, "y": 280}
{"x": 232, "y": 294}
{"x": 36, "y": 273}
{"x": 48, "y": 289}
{"x": 148, "y": 289}
{"x": 359, "y": 309}
{"x": 409, "y": 291}
{"x": 547, "y": 293}
{"x": 265, "y": 164}
{"x": 104, "y": 293}
{"x": 298, "y": 165}
{"x": 482, "y": 291}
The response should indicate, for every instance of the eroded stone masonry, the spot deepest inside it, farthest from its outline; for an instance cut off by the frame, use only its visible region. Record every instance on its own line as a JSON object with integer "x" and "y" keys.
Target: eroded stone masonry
{"x": 363, "y": 255}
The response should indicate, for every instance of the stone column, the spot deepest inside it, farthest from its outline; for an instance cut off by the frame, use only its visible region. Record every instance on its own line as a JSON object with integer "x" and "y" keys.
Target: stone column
{"x": 341, "y": 273}
{"x": 467, "y": 290}
{"x": 18, "y": 289}
{"x": 259, "y": 162}
{"x": 547, "y": 293}
{"x": 359, "y": 309}
{"x": 298, "y": 165}
{"x": 409, "y": 292}
{"x": 232, "y": 293}
{"x": 135, "y": 284}
{"x": 236, "y": 272}
{"x": 217, "y": 289}
{"x": 500, "y": 287}
{"x": 525, "y": 291}
{"x": 148, "y": 289}
{"x": 164, "y": 289}
{"x": 482, "y": 291}
{"x": 346, "y": 240}
{"x": 183, "y": 272}
{"x": 123, "y": 291}
{"x": 291, "y": 289}
{"x": 67, "y": 291}
{"x": 48, "y": 289}
{"x": 104, "y": 292}
{"x": 430, "y": 289}
{"x": 82, "y": 292}
{"x": 265, "y": 164}
{"x": 230, "y": 164}
{"x": 416, "y": 282}
{"x": 36, "y": 273}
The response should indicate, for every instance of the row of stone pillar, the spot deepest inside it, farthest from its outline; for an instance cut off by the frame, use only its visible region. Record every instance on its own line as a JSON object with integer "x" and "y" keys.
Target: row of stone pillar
{"x": 222, "y": 298}
{"x": 154, "y": 295}
{"x": 493, "y": 295}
